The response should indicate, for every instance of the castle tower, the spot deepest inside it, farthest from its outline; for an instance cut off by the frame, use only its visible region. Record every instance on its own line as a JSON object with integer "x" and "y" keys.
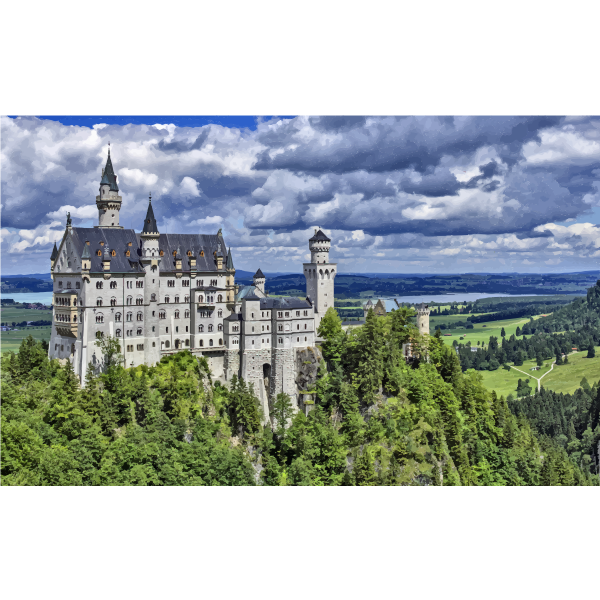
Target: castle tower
{"x": 423, "y": 318}
{"x": 230, "y": 281}
{"x": 320, "y": 274}
{"x": 109, "y": 201}
{"x": 259, "y": 280}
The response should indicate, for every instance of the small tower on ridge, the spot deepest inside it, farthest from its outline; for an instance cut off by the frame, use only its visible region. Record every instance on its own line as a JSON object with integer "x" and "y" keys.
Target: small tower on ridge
{"x": 259, "y": 281}
{"x": 109, "y": 201}
{"x": 230, "y": 281}
{"x": 423, "y": 318}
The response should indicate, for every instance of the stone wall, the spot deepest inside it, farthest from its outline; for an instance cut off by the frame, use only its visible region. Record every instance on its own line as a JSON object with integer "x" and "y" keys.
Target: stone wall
{"x": 308, "y": 361}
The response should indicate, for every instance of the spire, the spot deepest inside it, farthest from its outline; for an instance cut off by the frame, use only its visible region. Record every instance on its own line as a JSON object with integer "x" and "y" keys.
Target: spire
{"x": 108, "y": 174}
{"x": 230, "y": 260}
{"x": 54, "y": 252}
{"x": 86, "y": 252}
{"x": 150, "y": 225}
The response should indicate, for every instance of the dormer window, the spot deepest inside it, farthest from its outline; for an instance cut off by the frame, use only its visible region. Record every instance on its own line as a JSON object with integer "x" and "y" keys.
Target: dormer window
{"x": 102, "y": 243}
{"x": 189, "y": 252}
{"x": 129, "y": 243}
{"x": 161, "y": 253}
{"x": 127, "y": 253}
{"x": 113, "y": 253}
{"x": 202, "y": 253}
{"x": 99, "y": 253}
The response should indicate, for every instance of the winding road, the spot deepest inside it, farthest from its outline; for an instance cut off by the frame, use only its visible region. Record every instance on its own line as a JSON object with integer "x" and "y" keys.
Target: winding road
{"x": 539, "y": 380}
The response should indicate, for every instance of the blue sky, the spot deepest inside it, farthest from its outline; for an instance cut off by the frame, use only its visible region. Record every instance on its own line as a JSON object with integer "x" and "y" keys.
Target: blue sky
{"x": 395, "y": 194}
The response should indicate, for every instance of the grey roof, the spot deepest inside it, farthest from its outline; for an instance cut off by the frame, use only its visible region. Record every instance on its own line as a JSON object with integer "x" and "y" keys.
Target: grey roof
{"x": 54, "y": 252}
{"x": 286, "y": 302}
{"x": 369, "y": 303}
{"x": 115, "y": 239}
{"x": 259, "y": 274}
{"x": 229, "y": 260}
{"x": 194, "y": 242}
{"x": 244, "y": 291}
{"x": 319, "y": 237}
{"x": 150, "y": 225}
{"x": 422, "y": 306}
{"x": 109, "y": 177}
{"x": 251, "y": 295}
{"x": 234, "y": 317}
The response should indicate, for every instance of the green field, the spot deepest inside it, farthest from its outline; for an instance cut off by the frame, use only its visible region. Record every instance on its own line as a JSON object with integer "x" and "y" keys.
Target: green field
{"x": 11, "y": 340}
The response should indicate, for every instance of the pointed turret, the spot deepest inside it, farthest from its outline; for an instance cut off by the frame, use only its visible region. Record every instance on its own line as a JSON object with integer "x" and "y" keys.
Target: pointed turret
{"x": 150, "y": 225}
{"x": 54, "y": 254}
{"x": 109, "y": 201}
{"x": 259, "y": 275}
{"x": 259, "y": 281}
{"x": 229, "y": 265}
{"x": 108, "y": 175}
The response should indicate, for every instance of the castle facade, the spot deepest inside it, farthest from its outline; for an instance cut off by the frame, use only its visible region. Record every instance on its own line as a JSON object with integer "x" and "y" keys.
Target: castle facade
{"x": 160, "y": 293}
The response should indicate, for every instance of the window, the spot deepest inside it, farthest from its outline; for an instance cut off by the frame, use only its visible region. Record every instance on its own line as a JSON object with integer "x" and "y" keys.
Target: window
{"x": 113, "y": 301}
{"x": 187, "y": 342}
{"x": 99, "y": 318}
{"x": 99, "y": 334}
{"x": 200, "y": 328}
{"x": 68, "y": 285}
{"x": 235, "y": 328}
{"x": 297, "y": 313}
{"x": 162, "y": 314}
{"x": 220, "y": 326}
{"x": 140, "y": 346}
{"x": 280, "y": 328}
{"x": 113, "y": 253}
{"x": 118, "y": 317}
{"x": 200, "y": 298}
{"x": 129, "y": 301}
{"x": 140, "y": 316}
{"x": 167, "y": 344}
{"x": 201, "y": 343}
{"x": 98, "y": 285}
{"x": 176, "y": 299}
{"x": 305, "y": 339}
{"x": 201, "y": 281}
{"x": 297, "y": 339}
{"x": 139, "y": 284}
{"x": 130, "y": 348}
{"x": 99, "y": 253}
{"x": 263, "y": 328}
{"x": 129, "y": 332}
{"x": 118, "y": 333}
{"x": 220, "y": 341}
{"x": 185, "y": 283}
{"x": 154, "y": 344}
{"x": 186, "y": 299}
{"x": 253, "y": 329}
{"x": 129, "y": 285}
{"x": 60, "y": 284}
{"x": 187, "y": 329}
{"x": 305, "y": 326}
{"x": 153, "y": 329}
{"x": 213, "y": 282}
{"x": 220, "y": 313}
{"x": 279, "y": 315}
{"x": 210, "y": 342}
{"x": 129, "y": 316}
{"x": 186, "y": 314}
{"x": 167, "y": 299}
{"x": 280, "y": 340}
{"x": 306, "y": 313}
{"x": 152, "y": 297}
{"x": 139, "y": 331}
{"x": 220, "y": 298}
{"x": 77, "y": 285}
{"x": 253, "y": 315}
{"x": 139, "y": 301}
{"x": 161, "y": 253}
{"x": 170, "y": 283}
{"x": 287, "y": 314}
{"x": 113, "y": 285}
{"x": 177, "y": 314}
{"x": 166, "y": 329}
{"x": 99, "y": 302}
{"x": 210, "y": 328}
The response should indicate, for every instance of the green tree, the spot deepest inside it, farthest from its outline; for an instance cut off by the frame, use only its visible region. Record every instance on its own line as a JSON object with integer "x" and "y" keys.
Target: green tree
{"x": 502, "y": 332}
{"x": 591, "y": 351}
{"x": 330, "y": 330}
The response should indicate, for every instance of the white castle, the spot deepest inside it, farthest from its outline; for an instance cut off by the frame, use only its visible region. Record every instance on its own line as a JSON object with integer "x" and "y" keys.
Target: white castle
{"x": 160, "y": 293}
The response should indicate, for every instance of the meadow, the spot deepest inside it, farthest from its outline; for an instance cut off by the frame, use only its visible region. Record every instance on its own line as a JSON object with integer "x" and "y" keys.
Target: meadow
{"x": 11, "y": 340}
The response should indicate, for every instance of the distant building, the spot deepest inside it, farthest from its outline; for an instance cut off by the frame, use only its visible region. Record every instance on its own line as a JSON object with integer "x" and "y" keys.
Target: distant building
{"x": 379, "y": 308}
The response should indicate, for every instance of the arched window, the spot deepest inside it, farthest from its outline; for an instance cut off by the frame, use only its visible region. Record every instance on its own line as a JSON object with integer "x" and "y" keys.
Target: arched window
{"x": 200, "y": 328}
{"x": 187, "y": 314}
{"x": 152, "y": 297}
{"x": 113, "y": 253}
{"x": 113, "y": 285}
{"x": 167, "y": 344}
{"x": 139, "y": 301}
{"x": 187, "y": 342}
{"x": 220, "y": 341}
{"x": 200, "y": 298}
{"x": 189, "y": 252}
{"x": 99, "y": 302}
{"x": 201, "y": 343}
{"x": 140, "y": 316}
{"x": 127, "y": 253}
{"x": 118, "y": 317}
{"x": 161, "y": 253}
{"x": 177, "y": 314}
{"x": 202, "y": 253}
{"x": 139, "y": 331}
{"x": 118, "y": 332}
{"x": 74, "y": 318}
{"x": 220, "y": 313}
{"x": 99, "y": 253}
{"x": 210, "y": 328}
{"x": 129, "y": 316}
{"x": 220, "y": 327}
{"x": 99, "y": 318}
{"x": 129, "y": 300}
{"x": 113, "y": 301}
{"x": 174, "y": 252}
{"x": 210, "y": 342}
{"x": 186, "y": 299}
{"x": 220, "y": 298}
{"x": 176, "y": 299}
{"x": 98, "y": 285}
{"x": 162, "y": 314}
{"x": 167, "y": 299}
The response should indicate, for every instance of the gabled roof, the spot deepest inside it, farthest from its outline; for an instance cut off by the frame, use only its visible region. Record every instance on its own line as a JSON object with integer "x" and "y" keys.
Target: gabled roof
{"x": 150, "y": 225}
{"x": 319, "y": 237}
{"x": 229, "y": 264}
{"x": 259, "y": 274}
{"x": 109, "y": 177}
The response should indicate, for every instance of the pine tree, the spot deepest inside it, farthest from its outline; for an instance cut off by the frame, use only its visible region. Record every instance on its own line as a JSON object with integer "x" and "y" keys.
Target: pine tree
{"x": 591, "y": 351}
{"x": 369, "y": 373}
{"x": 502, "y": 333}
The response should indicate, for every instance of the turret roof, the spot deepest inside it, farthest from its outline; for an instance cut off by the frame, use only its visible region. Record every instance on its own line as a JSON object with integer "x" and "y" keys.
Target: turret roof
{"x": 86, "y": 252}
{"x": 109, "y": 177}
{"x": 150, "y": 225}
{"x": 319, "y": 237}
{"x": 258, "y": 274}
{"x": 54, "y": 252}
{"x": 229, "y": 260}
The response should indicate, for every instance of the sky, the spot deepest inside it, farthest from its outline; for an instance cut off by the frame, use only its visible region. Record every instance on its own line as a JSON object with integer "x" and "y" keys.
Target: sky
{"x": 395, "y": 194}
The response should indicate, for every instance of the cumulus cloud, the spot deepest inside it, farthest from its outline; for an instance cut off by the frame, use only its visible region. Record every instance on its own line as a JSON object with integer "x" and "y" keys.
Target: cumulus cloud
{"x": 407, "y": 191}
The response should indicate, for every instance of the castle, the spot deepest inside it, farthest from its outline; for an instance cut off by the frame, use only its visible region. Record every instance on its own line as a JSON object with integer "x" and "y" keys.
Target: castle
{"x": 159, "y": 293}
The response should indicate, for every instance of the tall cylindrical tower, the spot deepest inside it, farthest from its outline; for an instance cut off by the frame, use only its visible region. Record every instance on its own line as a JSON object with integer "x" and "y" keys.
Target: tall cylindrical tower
{"x": 423, "y": 318}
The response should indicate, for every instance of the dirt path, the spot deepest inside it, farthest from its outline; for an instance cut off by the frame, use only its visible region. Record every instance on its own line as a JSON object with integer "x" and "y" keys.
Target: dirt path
{"x": 538, "y": 379}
